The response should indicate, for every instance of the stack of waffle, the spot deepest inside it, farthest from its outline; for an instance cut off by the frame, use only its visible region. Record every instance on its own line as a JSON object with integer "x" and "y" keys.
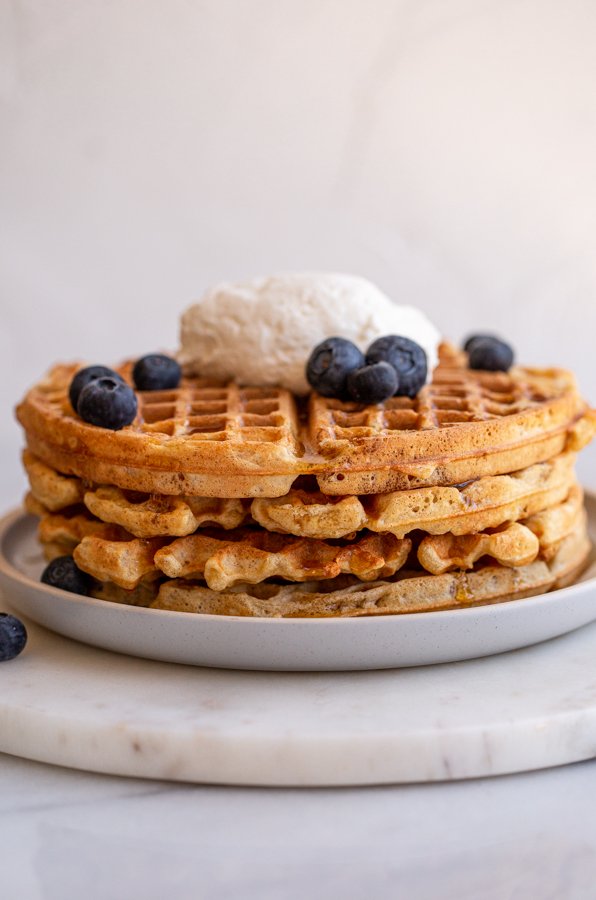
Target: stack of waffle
{"x": 238, "y": 501}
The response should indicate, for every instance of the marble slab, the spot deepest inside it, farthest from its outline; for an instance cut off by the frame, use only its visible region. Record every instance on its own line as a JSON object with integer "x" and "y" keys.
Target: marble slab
{"x": 76, "y": 706}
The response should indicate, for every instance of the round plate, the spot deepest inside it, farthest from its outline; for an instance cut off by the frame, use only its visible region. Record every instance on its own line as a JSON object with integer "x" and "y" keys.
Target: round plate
{"x": 376, "y": 642}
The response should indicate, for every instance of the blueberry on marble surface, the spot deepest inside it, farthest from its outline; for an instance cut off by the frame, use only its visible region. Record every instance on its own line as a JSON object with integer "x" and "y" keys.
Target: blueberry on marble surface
{"x": 156, "y": 372}
{"x": 329, "y": 365}
{"x": 407, "y": 358}
{"x": 373, "y": 383}
{"x": 82, "y": 379}
{"x": 107, "y": 402}
{"x": 13, "y": 637}
{"x": 490, "y": 354}
{"x": 64, "y": 573}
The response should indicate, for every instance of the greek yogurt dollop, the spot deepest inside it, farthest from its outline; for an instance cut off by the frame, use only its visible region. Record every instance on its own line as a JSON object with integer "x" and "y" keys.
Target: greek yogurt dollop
{"x": 262, "y": 332}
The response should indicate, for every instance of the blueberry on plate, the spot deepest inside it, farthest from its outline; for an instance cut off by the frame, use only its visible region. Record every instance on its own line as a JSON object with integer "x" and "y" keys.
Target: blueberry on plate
{"x": 490, "y": 354}
{"x": 373, "y": 384}
{"x": 64, "y": 573}
{"x": 107, "y": 402}
{"x": 82, "y": 379}
{"x": 407, "y": 358}
{"x": 13, "y": 637}
{"x": 156, "y": 372}
{"x": 329, "y": 365}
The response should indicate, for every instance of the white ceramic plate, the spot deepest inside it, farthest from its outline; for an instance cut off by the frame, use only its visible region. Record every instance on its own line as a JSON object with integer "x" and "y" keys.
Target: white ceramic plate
{"x": 376, "y": 642}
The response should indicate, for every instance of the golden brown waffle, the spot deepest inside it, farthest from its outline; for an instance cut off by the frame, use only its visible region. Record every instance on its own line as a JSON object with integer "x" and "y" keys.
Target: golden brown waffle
{"x": 205, "y": 439}
{"x": 143, "y": 515}
{"x": 244, "y": 557}
{"x": 110, "y": 553}
{"x": 262, "y": 555}
{"x": 127, "y": 563}
{"x": 556, "y": 522}
{"x": 33, "y": 506}
{"x": 60, "y": 534}
{"x": 462, "y": 426}
{"x": 50, "y": 488}
{"x": 409, "y": 593}
{"x": 512, "y": 545}
{"x": 485, "y": 503}
{"x": 71, "y": 529}
{"x": 253, "y": 556}
{"x": 155, "y": 515}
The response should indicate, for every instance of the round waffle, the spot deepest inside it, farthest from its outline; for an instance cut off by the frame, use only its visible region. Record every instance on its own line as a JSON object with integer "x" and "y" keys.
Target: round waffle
{"x": 410, "y": 592}
{"x": 463, "y": 509}
{"x": 251, "y": 555}
{"x": 485, "y": 503}
{"x": 213, "y": 440}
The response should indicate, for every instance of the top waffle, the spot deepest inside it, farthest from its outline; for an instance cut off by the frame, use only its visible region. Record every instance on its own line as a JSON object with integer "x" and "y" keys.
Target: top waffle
{"x": 216, "y": 440}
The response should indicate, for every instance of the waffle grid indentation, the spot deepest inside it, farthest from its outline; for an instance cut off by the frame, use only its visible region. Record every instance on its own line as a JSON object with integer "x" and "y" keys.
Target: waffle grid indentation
{"x": 214, "y": 413}
{"x": 452, "y": 399}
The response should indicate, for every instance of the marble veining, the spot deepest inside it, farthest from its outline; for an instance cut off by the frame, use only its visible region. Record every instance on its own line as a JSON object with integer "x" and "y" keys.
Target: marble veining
{"x": 73, "y": 705}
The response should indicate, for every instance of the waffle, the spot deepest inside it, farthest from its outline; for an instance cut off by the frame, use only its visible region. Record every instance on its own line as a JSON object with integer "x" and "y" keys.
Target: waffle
{"x": 202, "y": 439}
{"x": 143, "y": 594}
{"x": 70, "y": 530}
{"x": 556, "y": 522}
{"x": 33, "y": 506}
{"x": 513, "y": 546}
{"x": 155, "y": 515}
{"x": 59, "y": 534}
{"x": 251, "y": 557}
{"x": 409, "y": 593}
{"x": 127, "y": 563}
{"x": 486, "y": 503}
{"x": 239, "y": 500}
{"x": 111, "y": 554}
{"x": 143, "y": 515}
{"x": 213, "y": 440}
{"x": 50, "y": 488}
{"x": 223, "y": 564}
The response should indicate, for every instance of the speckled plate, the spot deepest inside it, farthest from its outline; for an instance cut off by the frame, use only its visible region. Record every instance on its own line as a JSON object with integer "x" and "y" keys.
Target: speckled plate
{"x": 233, "y": 642}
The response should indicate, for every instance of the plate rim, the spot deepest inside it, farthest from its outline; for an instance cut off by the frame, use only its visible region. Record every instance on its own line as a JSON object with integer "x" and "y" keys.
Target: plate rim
{"x": 18, "y": 514}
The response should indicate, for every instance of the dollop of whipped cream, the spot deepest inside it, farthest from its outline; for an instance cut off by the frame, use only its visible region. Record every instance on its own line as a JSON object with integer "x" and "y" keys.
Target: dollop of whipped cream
{"x": 261, "y": 332}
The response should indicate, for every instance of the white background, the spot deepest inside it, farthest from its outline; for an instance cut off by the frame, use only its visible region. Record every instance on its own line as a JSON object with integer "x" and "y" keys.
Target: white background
{"x": 446, "y": 150}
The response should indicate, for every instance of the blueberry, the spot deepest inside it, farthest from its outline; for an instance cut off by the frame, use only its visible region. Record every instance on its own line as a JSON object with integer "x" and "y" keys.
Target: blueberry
{"x": 156, "y": 372}
{"x": 491, "y": 354}
{"x": 82, "y": 379}
{"x": 107, "y": 402}
{"x": 373, "y": 384}
{"x": 64, "y": 573}
{"x": 329, "y": 365}
{"x": 407, "y": 358}
{"x": 13, "y": 637}
{"x": 471, "y": 340}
